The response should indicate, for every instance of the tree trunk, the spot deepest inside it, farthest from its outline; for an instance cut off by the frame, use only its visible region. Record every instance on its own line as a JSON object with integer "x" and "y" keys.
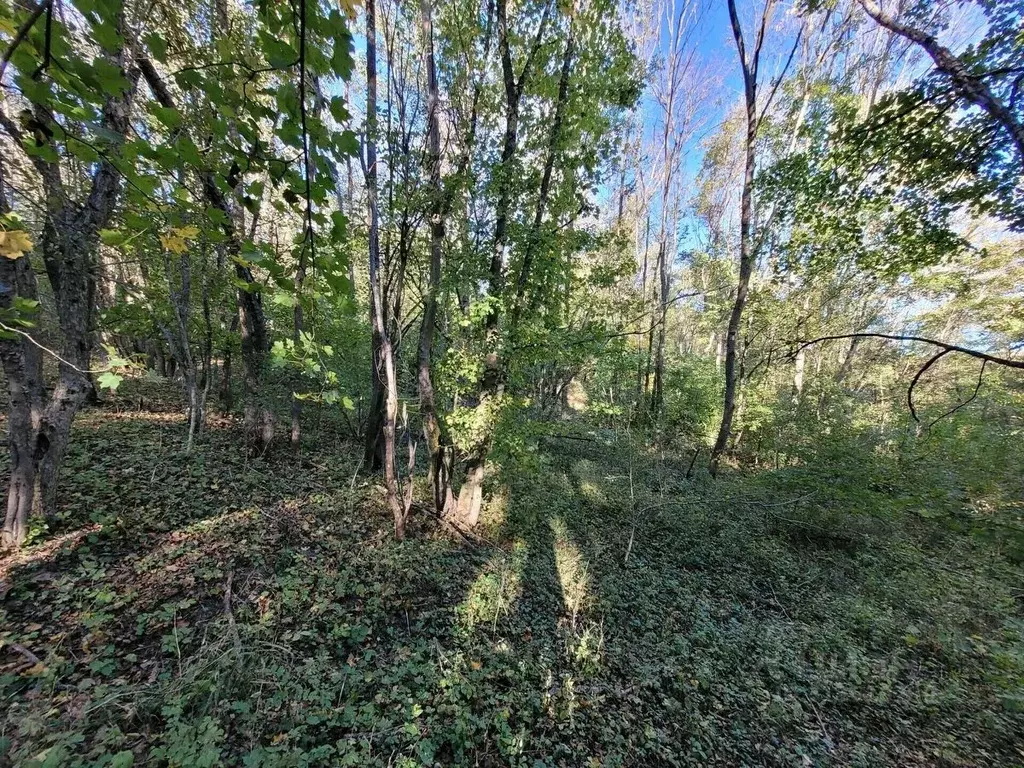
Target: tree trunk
{"x": 554, "y": 139}
{"x": 22, "y": 364}
{"x": 658, "y": 389}
{"x": 258, "y": 420}
{"x": 227, "y": 394}
{"x": 492, "y": 386}
{"x": 69, "y": 245}
{"x": 747, "y": 255}
{"x": 297, "y": 328}
{"x": 439, "y": 457}
{"x": 384, "y": 361}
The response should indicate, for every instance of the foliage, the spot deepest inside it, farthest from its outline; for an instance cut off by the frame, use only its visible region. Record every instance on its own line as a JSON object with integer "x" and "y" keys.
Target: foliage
{"x": 205, "y": 623}
{"x": 187, "y": 204}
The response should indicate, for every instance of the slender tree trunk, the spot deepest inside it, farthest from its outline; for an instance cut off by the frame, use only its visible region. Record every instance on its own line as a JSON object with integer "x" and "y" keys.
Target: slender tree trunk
{"x": 227, "y": 393}
{"x": 658, "y": 389}
{"x": 747, "y": 255}
{"x": 847, "y": 364}
{"x": 258, "y": 420}
{"x": 670, "y": 158}
{"x": 800, "y": 363}
{"x": 440, "y": 456}
{"x": 554, "y": 139}
{"x": 643, "y": 374}
{"x": 384, "y": 362}
{"x": 178, "y": 339}
{"x": 471, "y": 493}
{"x": 206, "y": 378}
{"x": 297, "y": 328}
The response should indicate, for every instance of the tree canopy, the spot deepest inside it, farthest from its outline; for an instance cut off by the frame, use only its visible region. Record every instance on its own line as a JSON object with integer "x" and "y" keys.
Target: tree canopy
{"x": 438, "y": 347}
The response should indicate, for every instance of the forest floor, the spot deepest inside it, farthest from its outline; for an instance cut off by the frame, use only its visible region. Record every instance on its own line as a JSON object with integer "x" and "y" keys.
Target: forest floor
{"x": 205, "y": 610}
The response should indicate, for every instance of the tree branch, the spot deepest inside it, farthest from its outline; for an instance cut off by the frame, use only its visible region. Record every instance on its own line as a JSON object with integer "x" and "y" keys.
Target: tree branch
{"x": 970, "y": 87}
{"x": 917, "y": 378}
{"x": 21, "y": 34}
{"x": 945, "y": 348}
{"x": 995, "y": 359}
{"x": 968, "y": 401}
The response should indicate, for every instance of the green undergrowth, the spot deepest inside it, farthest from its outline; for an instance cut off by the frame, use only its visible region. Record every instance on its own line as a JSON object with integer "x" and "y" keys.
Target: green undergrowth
{"x": 206, "y": 610}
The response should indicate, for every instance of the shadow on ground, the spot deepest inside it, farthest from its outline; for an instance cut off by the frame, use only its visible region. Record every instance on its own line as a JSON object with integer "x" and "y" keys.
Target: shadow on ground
{"x": 207, "y": 610}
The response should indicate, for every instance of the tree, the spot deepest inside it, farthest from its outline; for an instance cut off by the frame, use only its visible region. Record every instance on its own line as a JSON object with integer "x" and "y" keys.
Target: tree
{"x": 383, "y": 359}
{"x": 750, "y": 64}
{"x": 440, "y": 455}
{"x": 40, "y": 423}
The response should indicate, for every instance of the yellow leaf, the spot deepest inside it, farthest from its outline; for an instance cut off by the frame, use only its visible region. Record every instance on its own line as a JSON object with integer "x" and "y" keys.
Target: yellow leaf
{"x": 476, "y": 665}
{"x": 349, "y": 8}
{"x": 186, "y": 232}
{"x": 14, "y": 243}
{"x": 173, "y": 243}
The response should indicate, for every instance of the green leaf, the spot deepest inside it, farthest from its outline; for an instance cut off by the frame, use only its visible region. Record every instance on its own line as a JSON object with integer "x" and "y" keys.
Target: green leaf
{"x": 109, "y": 380}
{"x": 338, "y": 109}
{"x": 157, "y": 46}
{"x": 168, "y": 116}
{"x": 280, "y": 54}
{"x": 348, "y": 144}
{"x": 112, "y": 237}
{"x": 285, "y": 299}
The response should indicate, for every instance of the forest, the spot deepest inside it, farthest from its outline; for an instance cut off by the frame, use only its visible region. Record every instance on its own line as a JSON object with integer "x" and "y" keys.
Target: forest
{"x": 512, "y": 383}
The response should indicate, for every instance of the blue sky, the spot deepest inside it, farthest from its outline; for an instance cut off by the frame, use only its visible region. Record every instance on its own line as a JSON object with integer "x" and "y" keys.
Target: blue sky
{"x": 716, "y": 55}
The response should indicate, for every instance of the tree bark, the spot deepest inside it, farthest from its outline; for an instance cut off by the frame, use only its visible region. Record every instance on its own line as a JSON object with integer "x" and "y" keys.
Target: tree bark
{"x": 22, "y": 364}
{"x": 747, "y": 254}
{"x": 439, "y": 455}
{"x": 970, "y": 88}
{"x": 39, "y": 426}
{"x": 384, "y": 360}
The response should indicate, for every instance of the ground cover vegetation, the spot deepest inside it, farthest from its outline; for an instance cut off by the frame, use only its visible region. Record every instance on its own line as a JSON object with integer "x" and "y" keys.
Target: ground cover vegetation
{"x": 577, "y": 383}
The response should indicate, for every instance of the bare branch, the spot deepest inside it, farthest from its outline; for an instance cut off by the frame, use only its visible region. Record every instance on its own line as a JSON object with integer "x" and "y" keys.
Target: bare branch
{"x": 968, "y": 401}
{"x": 917, "y": 377}
{"x": 21, "y": 34}
{"x": 1004, "y": 361}
{"x": 945, "y": 348}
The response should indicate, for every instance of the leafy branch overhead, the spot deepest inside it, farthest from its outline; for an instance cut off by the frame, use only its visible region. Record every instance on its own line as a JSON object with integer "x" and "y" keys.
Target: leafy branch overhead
{"x": 534, "y": 383}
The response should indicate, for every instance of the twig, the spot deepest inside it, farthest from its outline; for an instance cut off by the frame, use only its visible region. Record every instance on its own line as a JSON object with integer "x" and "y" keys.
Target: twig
{"x": 775, "y": 599}
{"x": 966, "y": 402}
{"x": 944, "y": 346}
{"x": 689, "y": 469}
{"x": 501, "y": 592}
{"x": 568, "y": 437}
{"x": 917, "y": 378}
{"x": 474, "y": 541}
{"x": 47, "y": 43}
{"x": 783, "y": 503}
{"x": 26, "y": 653}
{"x": 934, "y": 342}
{"x": 22, "y": 33}
{"x": 235, "y": 638}
{"x": 821, "y": 724}
{"x": 47, "y": 350}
